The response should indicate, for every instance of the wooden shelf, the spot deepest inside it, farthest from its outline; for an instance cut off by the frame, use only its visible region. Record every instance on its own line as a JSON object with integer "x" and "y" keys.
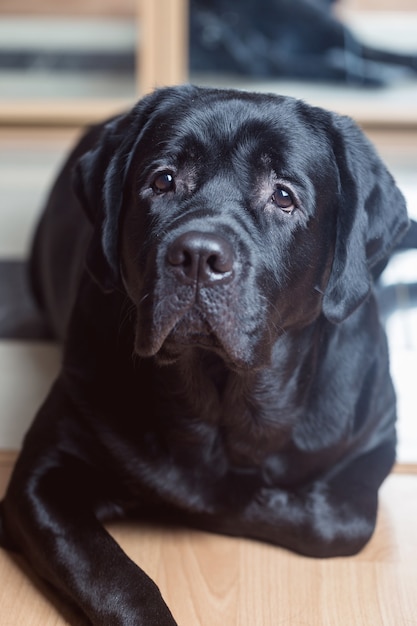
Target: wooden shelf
{"x": 162, "y": 59}
{"x": 60, "y": 112}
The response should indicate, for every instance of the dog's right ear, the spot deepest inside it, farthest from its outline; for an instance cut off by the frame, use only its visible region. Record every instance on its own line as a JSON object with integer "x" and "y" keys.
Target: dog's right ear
{"x": 100, "y": 176}
{"x": 96, "y": 148}
{"x": 97, "y": 200}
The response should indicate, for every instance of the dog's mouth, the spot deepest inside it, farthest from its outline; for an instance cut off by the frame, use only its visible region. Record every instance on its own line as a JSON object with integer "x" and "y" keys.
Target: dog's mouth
{"x": 189, "y": 329}
{"x": 170, "y": 329}
{"x": 195, "y": 331}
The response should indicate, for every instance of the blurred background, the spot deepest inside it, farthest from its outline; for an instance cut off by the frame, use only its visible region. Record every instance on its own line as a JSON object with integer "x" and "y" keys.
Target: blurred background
{"x": 64, "y": 65}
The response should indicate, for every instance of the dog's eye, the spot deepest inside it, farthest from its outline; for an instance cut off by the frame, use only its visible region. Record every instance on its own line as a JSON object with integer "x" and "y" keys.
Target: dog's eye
{"x": 282, "y": 199}
{"x": 163, "y": 183}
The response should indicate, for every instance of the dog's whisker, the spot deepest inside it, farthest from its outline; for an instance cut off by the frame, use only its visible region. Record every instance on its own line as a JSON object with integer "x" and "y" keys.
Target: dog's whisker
{"x": 145, "y": 297}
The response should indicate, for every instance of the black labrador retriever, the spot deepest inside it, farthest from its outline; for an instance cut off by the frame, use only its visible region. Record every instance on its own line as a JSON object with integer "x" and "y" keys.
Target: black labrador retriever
{"x": 224, "y": 364}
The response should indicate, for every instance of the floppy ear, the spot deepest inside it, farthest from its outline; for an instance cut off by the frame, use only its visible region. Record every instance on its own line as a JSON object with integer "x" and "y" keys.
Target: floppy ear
{"x": 372, "y": 217}
{"x": 99, "y": 181}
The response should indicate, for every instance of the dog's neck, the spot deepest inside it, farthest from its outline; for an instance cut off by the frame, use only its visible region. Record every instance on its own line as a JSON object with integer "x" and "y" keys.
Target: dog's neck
{"x": 250, "y": 414}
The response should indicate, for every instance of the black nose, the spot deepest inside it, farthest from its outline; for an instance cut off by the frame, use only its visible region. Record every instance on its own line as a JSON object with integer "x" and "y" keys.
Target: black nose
{"x": 202, "y": 257}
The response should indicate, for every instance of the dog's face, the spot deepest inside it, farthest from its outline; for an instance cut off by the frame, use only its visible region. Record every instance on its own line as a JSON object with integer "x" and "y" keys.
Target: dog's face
{"x": 232, "y": 218}
{"x": 227, "y": 237}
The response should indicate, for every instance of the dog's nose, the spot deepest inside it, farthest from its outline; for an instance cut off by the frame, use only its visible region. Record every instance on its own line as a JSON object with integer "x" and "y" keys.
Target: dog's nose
{"x": 202, "y": 257}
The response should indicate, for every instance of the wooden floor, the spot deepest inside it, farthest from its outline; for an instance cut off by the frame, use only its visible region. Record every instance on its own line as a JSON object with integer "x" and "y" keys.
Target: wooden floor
{"x": 209, "y": 580}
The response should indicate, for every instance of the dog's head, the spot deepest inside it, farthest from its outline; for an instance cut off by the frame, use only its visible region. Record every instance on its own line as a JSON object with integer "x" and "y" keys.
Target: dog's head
{"x": 230, "y": 218}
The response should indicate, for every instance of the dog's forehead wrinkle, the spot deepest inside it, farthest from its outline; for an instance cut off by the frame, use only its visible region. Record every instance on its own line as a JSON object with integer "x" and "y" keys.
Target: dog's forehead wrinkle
{"x": 243, "y": 120}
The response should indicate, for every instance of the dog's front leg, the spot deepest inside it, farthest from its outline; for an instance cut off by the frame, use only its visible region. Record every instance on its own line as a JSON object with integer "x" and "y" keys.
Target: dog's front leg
{"x": 49, "y": 515}
{"x": 68, "y": 547}
{"x": 332, "y": 516}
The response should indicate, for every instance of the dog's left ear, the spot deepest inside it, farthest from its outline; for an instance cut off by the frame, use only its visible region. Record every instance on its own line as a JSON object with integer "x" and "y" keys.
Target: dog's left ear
{"x": 372, "y": 217}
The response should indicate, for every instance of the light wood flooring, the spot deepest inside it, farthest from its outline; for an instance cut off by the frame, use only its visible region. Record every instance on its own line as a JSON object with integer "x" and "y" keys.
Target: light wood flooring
{"x": 210, "y": 580}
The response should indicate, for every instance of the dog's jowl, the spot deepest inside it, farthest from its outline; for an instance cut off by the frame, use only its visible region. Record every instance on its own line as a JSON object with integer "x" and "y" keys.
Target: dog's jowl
{"x": 208, "y": 260}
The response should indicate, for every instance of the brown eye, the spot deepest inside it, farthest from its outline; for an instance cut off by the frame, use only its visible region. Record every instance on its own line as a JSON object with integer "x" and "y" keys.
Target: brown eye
{"x": 163, "y": 183}
{"x": 283, "y": 200}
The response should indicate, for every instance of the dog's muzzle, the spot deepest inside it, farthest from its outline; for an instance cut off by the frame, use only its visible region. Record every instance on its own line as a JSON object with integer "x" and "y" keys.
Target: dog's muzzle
{"x": 204, "y": 296}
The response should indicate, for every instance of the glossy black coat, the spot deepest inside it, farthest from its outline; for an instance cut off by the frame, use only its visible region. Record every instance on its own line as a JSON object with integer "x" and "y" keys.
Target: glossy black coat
{"x": 224, "y": 365}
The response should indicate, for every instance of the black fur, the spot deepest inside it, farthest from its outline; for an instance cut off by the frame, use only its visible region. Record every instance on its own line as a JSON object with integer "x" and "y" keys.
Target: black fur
{"x": 224, "y": 363}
